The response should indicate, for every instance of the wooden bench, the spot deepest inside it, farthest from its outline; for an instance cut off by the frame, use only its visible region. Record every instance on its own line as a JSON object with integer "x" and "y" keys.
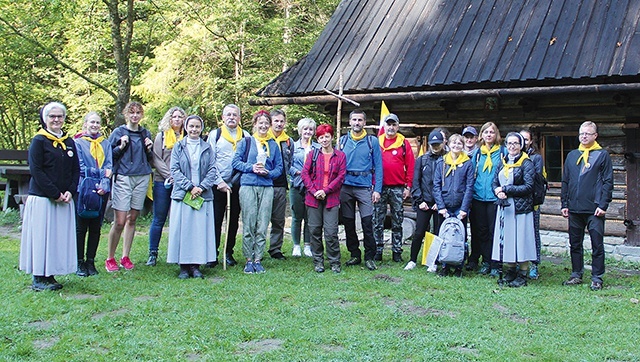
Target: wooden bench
{"x": 14, "y": 169}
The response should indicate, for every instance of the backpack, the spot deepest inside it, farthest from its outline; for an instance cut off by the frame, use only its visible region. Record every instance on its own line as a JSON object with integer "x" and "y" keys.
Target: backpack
{"x": 343, "y": 142}
{"x": 540, "y": 187}
{"x": 89, "y": 201}
{"x": 453, "y": 247}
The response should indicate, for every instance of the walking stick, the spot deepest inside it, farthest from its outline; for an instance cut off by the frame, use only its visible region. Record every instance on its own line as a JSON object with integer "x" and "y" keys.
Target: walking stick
{"x": 501, "y": 204}
{"x": 226, "y": 231}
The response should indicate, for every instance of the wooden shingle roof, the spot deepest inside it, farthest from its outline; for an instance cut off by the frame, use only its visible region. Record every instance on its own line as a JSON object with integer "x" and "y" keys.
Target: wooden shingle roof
{"x": 393, "y": 45}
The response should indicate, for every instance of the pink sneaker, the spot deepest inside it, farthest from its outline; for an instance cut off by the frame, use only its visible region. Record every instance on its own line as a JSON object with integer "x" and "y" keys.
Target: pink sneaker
{"x": 126, "y": 263}
{"x": 111, "y": 265}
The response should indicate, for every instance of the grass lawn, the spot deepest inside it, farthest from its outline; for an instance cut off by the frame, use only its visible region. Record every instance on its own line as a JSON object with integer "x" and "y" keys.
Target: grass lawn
{"x": 294, "y": 314}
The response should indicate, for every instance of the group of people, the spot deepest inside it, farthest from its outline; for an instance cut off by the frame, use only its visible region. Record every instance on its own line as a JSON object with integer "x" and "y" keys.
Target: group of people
{"x": 198, "y": 179}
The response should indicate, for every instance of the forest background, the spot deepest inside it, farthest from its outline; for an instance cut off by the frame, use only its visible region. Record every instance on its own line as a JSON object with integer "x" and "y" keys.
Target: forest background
{"x": 96, "y": 55}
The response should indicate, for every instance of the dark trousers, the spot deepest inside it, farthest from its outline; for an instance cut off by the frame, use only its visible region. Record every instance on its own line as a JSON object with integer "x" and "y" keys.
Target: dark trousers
{"x": 536, "y": 228}
{"x": 323, "y": 219}
{"x": 423, "y": 224}
{"x": 219, "y": 208}
{"x": 595, "y": 227}
{"x": 483, "y": 221}
{"x": 278, "y": 211}
{"x": 93, "y": 227}
{"x": 351, "y": 196}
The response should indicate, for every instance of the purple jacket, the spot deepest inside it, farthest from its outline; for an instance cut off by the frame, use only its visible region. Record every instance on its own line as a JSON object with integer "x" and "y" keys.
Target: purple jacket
{"x": 313, "y": 179}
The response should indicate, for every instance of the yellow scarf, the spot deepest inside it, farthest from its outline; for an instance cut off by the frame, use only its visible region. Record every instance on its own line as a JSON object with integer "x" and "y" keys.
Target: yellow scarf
{"x": 398, "y": 142}
{"x": 224, "y": 133}
{"x": 448, "y": 159}
{"x": 488, "y": 163}
{"x": 170, "y": 138}
{"x": 358, "y": 138}
{"x": 585, "y": 153}
{"x": 509, "y": 166}
{"x": 282, "y": 138}
{"x": 264, "y": 141}
{"x": 96, "y": 150}
{"x": 56, "y": 141}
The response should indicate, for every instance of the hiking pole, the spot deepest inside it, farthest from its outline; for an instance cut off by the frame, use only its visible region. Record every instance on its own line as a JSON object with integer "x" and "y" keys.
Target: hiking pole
{"x": 501, "y": 204}
{"x": 226, "y": 231}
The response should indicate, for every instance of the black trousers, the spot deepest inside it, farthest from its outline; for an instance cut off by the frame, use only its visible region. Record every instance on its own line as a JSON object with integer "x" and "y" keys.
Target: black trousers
{"x": 423, "y": 224}
{"x": 92, "y": 226}
{"x": 219, "y": 209}
{"x": 483, "y": 221}
{"x": 595, "y": 227}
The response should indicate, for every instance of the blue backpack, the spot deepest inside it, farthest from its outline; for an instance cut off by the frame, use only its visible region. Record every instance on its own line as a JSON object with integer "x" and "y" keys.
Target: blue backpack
{"x": 89, "y": 201}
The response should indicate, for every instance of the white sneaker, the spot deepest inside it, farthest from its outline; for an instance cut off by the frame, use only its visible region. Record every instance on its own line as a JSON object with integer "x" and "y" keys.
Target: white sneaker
{"x": 296, "y": 250}
{"x": 307, "y": 251}
{"x": 410, "y": 266}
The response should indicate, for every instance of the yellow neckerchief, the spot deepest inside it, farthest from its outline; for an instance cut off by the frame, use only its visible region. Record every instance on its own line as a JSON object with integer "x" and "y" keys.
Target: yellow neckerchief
{"x": 56, "y": 141}
{"x": 358, "y": 138}
{"x": 585, "y": 152}
{"x": 224, "y": 133}
{"x": 282, "y": 138}
{"x": 96, "y": 150}
{"x": 263, "y": 141}
{"x": 398, "y": 142}
{"x": 170, "y": 138}
{"x": 448, "y": 159}
{"x": 509, "y": 166}
{"x": 488, "y": 163}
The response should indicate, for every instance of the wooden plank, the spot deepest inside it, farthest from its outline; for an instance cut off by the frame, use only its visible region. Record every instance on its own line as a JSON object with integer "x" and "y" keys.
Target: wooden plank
{"x": 14, "y": 155}
{"x": 559, "y": 223}
{"x": 633, "y": 187}
{"x": 552, "y": 206}
{"x": 495, "y": 48}
{"x": 605, "y": 48}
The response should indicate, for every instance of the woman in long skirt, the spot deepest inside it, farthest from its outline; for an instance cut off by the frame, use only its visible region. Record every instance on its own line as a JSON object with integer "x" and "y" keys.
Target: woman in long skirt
{"x": 48, "y": 243}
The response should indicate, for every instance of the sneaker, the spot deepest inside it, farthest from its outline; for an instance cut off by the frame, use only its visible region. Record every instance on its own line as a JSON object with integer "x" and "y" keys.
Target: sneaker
{"x": 258, "y": 268}
{"x": 596, "y": 286}
{"x": 443, "y": 271}
{"x": 353, "y": 261}
{"x": 111, "y": 265}
{"x": 494, "y": 273}
{"x": 471, "y": 266}
{"x": 410, "y": 266}
{"x": 126, "y": 263}
{"x": 573, "y": 281}
{"x": 335, "y": 268}
{"x": 370, "y": 264}
{"x": 533, "y": 272}
{"x": 153, "y": 258}
{"x": 91, "y": 267}
{"x": 307, "y": 251}
{"x": 458, "y": 272}
{"x": 82, "y": 269}
{"x": 248, "y": 268}
{"x": 296, "y": 251}
{"x": 484, "y": 269}
{"x": 319, "y": 269}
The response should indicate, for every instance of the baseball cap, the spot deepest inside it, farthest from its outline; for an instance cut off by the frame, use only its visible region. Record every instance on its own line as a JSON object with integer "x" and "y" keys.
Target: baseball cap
{"x": 469, "y": 129}
{"x": 435, "y": 137}
{"x": 391, "y": 118}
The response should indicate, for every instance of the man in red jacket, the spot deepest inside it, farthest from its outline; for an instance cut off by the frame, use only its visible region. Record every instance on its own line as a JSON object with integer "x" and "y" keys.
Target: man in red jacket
{"x": 398, "y": 163}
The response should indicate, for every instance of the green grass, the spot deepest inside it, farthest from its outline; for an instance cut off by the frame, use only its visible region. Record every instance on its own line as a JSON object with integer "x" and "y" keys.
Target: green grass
{"x": 294, "y": 314}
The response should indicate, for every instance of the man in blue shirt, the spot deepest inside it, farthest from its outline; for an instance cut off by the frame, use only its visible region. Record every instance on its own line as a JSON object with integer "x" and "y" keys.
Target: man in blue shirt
{"x": 362, "y": 186}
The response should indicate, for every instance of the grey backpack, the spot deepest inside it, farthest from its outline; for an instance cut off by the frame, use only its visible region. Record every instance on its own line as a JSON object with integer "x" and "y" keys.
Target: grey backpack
{"x": 452, "y": 250}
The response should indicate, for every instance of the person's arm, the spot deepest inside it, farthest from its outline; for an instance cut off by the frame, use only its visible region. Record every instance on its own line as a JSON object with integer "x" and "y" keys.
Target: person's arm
{"x": 606, "y": 173}
{"x": 306, "y": 174}
{"x": 341, "y": 167}
{"x": 278, "y": 162}
{"x": 179, "y": 178}
{"x": 377, "y": 166}
{"x": 416, "y": 190}
{"x": 409, "y": 166}
{"x": 209, "y": 179}
{"x": 437, "y": 186}
{"x": 36, "y": 168}
{"x": 468, "y": 192}
{"x": 158, "y": 162}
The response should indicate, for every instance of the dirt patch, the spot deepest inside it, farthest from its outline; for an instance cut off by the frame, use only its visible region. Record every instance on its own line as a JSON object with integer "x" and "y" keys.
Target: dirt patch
{"x": 42, "y": 325}
{"x": 113, "y": 313}
{"x": 466, "y": 350}
{"x": 404, "y": 334}
{"x": 331, "y": 348}
{"x": 193, "y": 357}
{"x": 513, "y": 316}
{"x": 343, "y": 303}
{"x": 84, "y": 296}
{"x": 45, "y": 343}
{"x": 216, "y": 280}
{"x": 408, "y": 307}
{"x": 10, "y": 232}
{"x": 261, "y": 346}
{"x": 387, "y": 278}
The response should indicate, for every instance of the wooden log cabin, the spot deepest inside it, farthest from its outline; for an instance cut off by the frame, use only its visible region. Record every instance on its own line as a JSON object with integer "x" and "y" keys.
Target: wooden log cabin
{"x": 547, "y": 66}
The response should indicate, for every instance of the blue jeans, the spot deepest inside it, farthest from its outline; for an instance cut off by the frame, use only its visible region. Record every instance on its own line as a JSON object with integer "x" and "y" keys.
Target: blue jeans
{"x": 161, "y": 203}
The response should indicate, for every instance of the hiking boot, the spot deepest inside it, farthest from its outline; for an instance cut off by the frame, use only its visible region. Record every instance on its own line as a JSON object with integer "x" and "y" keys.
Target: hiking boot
{"x": 458, "y": 272}
{"x": 533, "y": 272}
{"x": 510, "y": 275}
{"x": 82, "y": 269}
{"x": 573, "y": 281}
{"x": 153, "y": 258}
{"x": 520, "y": 280}
{"x": 353, "y": 261}
{"x": 378, "y": 257}
{"x": 485, "y": 268}
{"x": 195, "y": 271}
{"x": 126, "y": 263}
{"x": 596, "y": 286}
{"x": 410, "y": 266}
{"x": 41, "y": 283}
{"x": 397, "y": 257}
{"x": 471, "y": 266}
{"x": 91, "y": 267}
{"x": 335, "y": 268}
{"x": 230, "y": 260}
{"x": 248, "y": 268}
{"x": 443, "y": 271}
{"x": 296, "y": 251}
{"x": 111, "y": 265}
{"x": 258, "y": 268}
{"x": 319, "y": 269}
{"x": 52, "y": 280}
{"x": 370, "y": 264}
{"x": 494, "y": 273}
{"x": 184, "y": 272}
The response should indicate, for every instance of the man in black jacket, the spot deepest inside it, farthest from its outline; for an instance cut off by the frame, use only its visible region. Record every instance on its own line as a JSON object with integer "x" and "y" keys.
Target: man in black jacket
{"x": 587, "y": 186}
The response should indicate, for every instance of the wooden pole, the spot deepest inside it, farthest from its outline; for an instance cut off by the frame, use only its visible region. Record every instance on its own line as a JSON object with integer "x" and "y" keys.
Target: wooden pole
{"x": 339, "y": 113}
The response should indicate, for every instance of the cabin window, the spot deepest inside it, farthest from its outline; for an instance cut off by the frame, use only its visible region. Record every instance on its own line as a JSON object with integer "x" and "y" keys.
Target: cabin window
{"x": 555, "y": 149}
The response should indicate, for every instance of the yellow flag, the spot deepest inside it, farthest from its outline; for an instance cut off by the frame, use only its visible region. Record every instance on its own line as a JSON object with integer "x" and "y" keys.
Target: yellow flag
{"x": 384, "y": 111}
{"x": 423, "y": 145}
{"x": 150, "y": 188}
{"x": 428, "y": 239}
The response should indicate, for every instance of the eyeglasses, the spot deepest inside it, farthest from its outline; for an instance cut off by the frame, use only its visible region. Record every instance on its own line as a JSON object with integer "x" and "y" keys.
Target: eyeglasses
{"x": 586, "y": 134}
{"x": 56, "y": 116}
{"x": 229, "y": 114}
{"x": 513, "y": 144}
